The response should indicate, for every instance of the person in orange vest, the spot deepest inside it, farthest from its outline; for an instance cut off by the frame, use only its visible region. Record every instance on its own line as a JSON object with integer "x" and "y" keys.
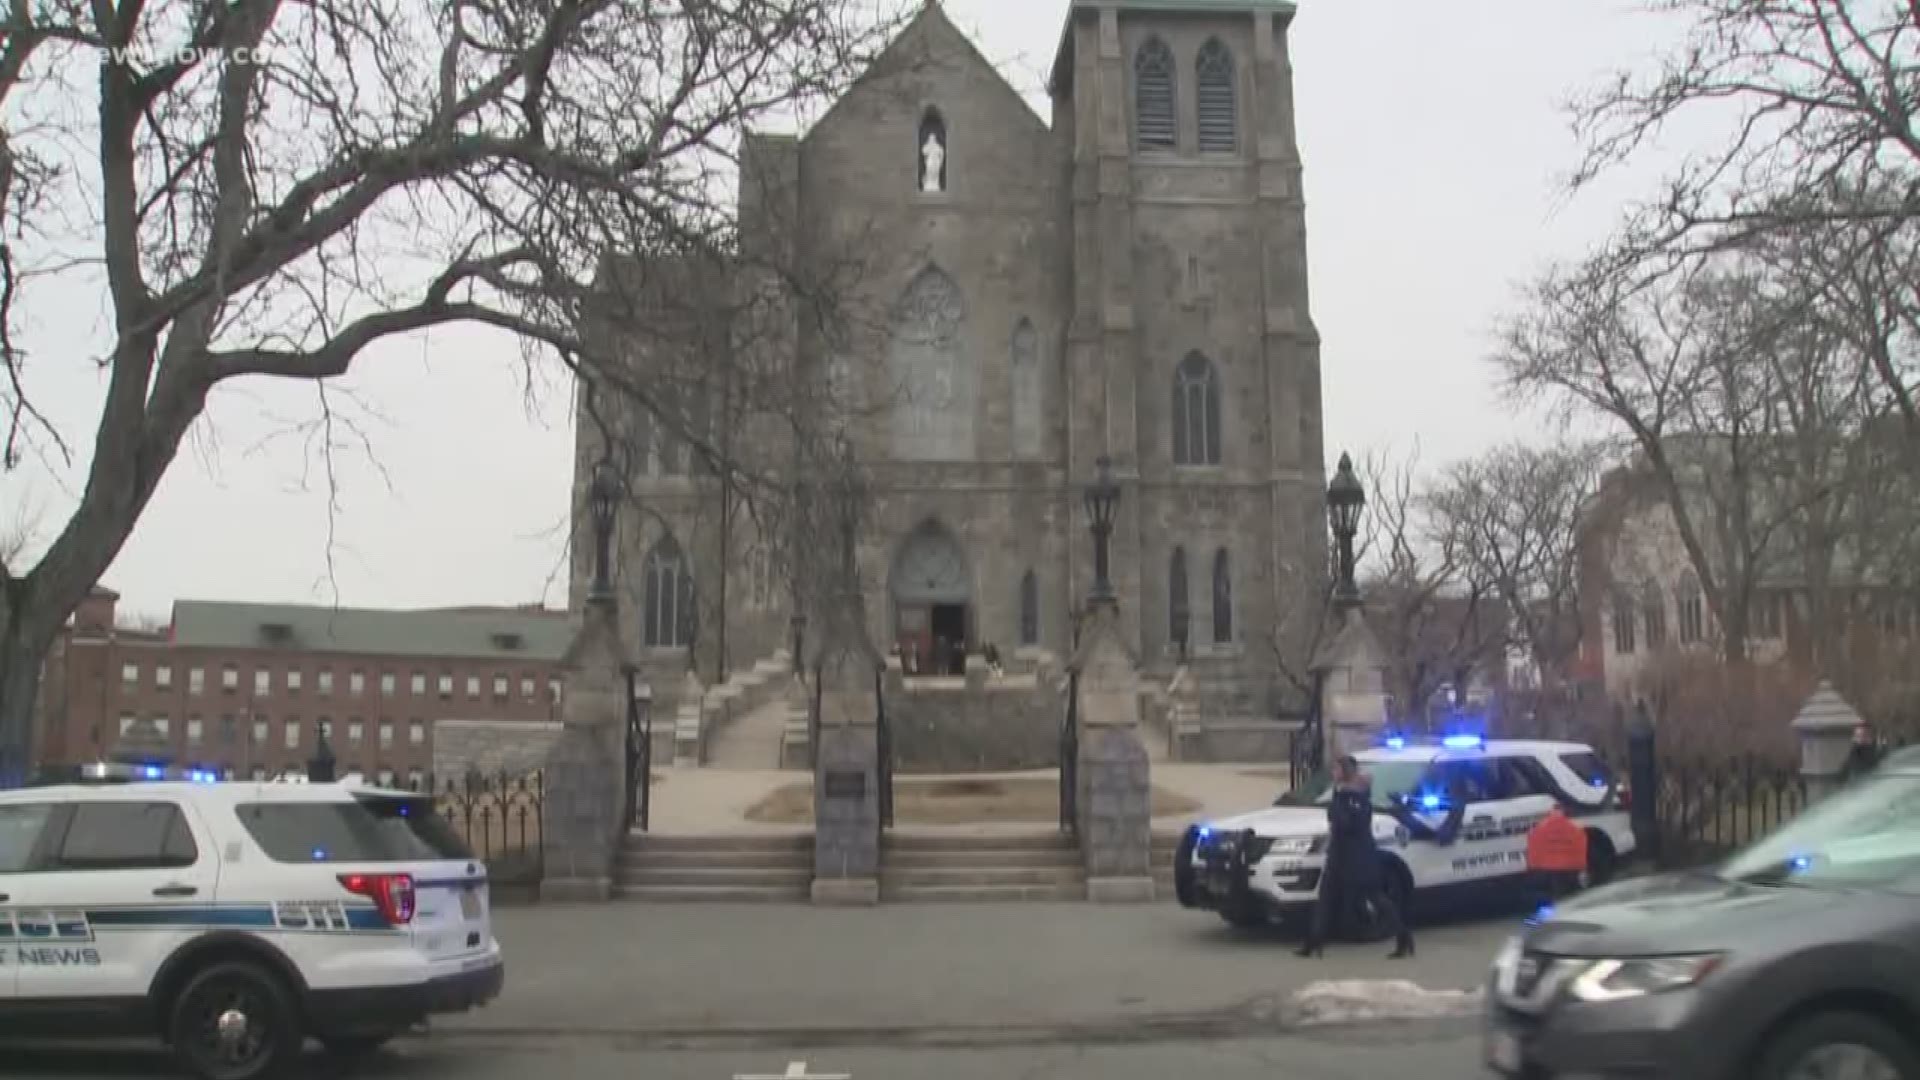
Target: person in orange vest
{"x": 1557, "y": 854}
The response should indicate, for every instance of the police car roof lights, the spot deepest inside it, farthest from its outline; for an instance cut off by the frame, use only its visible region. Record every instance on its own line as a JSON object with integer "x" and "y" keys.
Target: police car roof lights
{"x": 1463, "y": 742}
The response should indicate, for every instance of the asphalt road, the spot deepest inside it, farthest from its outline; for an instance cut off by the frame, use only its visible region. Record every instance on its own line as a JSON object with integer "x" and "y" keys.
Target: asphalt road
{"x": 1447, "y": 1052}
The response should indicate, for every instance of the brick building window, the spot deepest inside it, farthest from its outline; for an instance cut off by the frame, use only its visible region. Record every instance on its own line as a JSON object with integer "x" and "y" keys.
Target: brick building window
{"x": 1196, "y": 412}
{"x": 356, "y": 732}
{"x": 386, "y": 778}
{"x": 1219, "y": 112}
{"x": 196, "y": 681}
{"x": 553, "y": 691}
{"x": 295, "y": 680}
{"x": 357, "y": 683}
{"x": 126, "y": 722}
{"x": 163, "y": 676}
{"x": 229, "y": 678}
{"x": 499, "y": 686}
{"x": 130, "y": 674}
{"x": 195, "y": 730}
{"x": 162, "y": 725}
{"x": 473, "y": 686}
{"x": 387, "y": 684}
{"x": 1029, "y": 609}
{"x": 446, "y": 686}
{"x": 293, "y": 735}
{"x": 325, "y": 681}
{"x": 416, "y": 780}
{"x": 526, "y": 687}
{"x": 417, "y": 733}
{"x": 386, "y": 734}
{"x": 259, "y": 732}
{"x": 419, "y": 683}
{"x": 262, "y": 683}
{"x": 1623, "y": 625}
{"x": 1154, "y": 103}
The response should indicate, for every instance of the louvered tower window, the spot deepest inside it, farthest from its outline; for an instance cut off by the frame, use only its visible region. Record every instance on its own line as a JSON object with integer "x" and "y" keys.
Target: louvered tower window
{"x": 1219, "y": 109}
{"x": 1154, "y": 110}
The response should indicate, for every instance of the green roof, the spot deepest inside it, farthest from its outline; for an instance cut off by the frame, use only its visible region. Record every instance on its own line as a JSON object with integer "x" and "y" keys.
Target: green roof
{"x": 528, "y": 634}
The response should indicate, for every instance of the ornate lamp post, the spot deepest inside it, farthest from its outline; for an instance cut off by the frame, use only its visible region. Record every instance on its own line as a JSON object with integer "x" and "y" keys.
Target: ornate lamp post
{"x": 1102, "y": 496}
{"x": 603, "y": 497}
{"x": 1345, "y": 498}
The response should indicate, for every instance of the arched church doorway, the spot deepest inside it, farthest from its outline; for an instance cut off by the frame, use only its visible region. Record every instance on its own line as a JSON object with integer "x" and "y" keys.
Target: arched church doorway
{"x": 932, "y": 602}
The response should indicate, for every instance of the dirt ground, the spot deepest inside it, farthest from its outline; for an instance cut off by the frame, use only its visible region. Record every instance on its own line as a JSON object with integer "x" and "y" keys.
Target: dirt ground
{"x": 955, "y": 802}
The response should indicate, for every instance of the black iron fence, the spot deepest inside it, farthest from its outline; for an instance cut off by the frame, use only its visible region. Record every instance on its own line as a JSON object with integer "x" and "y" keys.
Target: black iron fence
{"x": 502, "y": 818}
{"x": 1707, "y": 809}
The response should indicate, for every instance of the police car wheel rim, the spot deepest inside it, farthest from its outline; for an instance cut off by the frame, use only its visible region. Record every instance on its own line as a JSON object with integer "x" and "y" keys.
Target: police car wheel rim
{"x": 223, "y": 1041}
{"x": 1843, "y": 1061}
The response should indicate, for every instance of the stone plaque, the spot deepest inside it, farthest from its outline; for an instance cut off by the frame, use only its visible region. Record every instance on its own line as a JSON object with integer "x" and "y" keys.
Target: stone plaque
{"x": 846, "y": 784}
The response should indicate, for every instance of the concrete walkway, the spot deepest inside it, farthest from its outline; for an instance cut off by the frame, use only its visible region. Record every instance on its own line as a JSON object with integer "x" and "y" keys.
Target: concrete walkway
{"x": 716, "y": 801}
{"x": 717, "y": 968}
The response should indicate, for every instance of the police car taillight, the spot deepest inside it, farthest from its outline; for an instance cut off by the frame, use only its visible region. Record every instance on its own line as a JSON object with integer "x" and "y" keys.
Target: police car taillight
{"x": 391, "y": 893}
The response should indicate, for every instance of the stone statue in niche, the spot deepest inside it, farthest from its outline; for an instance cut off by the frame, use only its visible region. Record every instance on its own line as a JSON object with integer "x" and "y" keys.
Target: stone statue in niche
{"x": 933, "y": 164}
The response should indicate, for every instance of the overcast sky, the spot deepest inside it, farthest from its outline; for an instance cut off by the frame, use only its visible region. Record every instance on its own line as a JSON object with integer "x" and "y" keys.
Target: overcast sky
{"x": 1435, "y": 148}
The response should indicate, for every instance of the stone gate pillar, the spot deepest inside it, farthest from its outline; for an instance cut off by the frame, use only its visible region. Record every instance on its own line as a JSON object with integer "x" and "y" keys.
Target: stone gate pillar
{"x": 585, "y": 780}
{"x": 1825, "y": 728}
{"x": 846, "y": 772}
{"x": 1354, "y": 706}
{"x": 1115, "y": 790}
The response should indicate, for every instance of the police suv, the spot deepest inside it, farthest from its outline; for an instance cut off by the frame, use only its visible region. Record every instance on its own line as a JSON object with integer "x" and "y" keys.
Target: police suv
{"x": 1449, "y": 815}
{"x": 235, "y": 920}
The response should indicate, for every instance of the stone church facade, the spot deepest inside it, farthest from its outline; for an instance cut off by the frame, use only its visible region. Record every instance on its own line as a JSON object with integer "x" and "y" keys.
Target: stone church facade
{"x": 1125, "y": 278}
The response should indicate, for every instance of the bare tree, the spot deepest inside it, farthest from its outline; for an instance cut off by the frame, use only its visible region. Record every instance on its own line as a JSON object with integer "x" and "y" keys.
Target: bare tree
{"x": 1513, "y": 516}
{"x": 270, "y": 189}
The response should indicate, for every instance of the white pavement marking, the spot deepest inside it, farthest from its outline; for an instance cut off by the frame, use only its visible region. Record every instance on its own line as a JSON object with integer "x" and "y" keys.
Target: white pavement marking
{"x": 796, "y": 1070}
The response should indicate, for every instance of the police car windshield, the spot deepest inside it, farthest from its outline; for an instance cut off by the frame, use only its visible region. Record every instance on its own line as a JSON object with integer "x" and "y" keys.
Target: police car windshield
{"x": 367, "y": 829}
{"x": 1391, "y": 779}
{"x": 1862, "y": 836}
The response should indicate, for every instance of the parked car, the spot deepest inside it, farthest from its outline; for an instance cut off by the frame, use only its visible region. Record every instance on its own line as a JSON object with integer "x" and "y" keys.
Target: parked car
{"x": 1799, "y": 957}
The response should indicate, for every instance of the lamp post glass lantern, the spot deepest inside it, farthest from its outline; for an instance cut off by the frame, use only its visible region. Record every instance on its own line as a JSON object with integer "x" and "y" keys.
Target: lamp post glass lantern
{"x": 1345, "y": 500}
{"x": 1102, "y": 496}
{"x": 603, "y": 496}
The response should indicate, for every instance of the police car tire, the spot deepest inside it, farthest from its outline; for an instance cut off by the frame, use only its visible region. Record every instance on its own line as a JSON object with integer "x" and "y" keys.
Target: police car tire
{"x": 1601, "y": 861}
{"x": 267, "y": 999}
{"x": 1785, "y": 1051}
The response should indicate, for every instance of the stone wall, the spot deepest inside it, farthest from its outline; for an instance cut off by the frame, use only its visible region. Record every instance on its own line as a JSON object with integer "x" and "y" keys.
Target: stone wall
{"x": 995, "y": 725}
{"x": 492, "y": 746}
{"x": 1237, "y": 740}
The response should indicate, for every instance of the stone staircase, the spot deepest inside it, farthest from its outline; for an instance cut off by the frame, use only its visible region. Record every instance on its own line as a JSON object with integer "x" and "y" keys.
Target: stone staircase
{"x": 932, "y": 867}
{"x": 751, "y": 740}
{"x": 715, "y": 868}
{"x": 733, "y": 717}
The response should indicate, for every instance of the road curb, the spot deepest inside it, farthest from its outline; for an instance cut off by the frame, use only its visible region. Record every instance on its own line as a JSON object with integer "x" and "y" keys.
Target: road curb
{"x": 1264, "y": 1017}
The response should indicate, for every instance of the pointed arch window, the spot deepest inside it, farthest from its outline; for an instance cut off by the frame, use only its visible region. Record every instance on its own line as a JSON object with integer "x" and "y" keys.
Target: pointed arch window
{"x": 1222, "y": 598}
{"x": 1692, "y": 609}
{"x": 1654, "y": 617}
{"x": 933, "y": 380}
{"x": 1027, "y": 405}
{"x": 1029, "y": 609}
{"x": 667, "y": 606}
{"x": 1196, "y": 412}
{"x": 1179, "y": 603}
{"x": 1217, "y": 98}
{"x": 1154, "y": 108}
{"x": 1623, "y": 624}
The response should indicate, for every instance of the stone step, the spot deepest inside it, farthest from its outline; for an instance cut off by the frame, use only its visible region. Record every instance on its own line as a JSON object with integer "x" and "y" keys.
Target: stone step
{"x": 981, "y": 893}
{"x": 1010, "y": 857}
{"x": 784, "y": 877}
{"x": 940, "y": 842}
{"x": 985, "y": 876}
{"x": 709, "y": 894}
{"x": 650, "y": 842}
{"x": 716, "y": 860}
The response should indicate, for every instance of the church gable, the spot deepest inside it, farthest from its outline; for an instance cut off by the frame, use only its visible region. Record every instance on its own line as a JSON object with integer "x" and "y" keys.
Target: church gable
{"x": 932, "y": 65}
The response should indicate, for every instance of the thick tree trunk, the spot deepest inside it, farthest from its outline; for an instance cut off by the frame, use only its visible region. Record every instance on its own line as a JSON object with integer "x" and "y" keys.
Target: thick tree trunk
{"x": 20, "y": 668}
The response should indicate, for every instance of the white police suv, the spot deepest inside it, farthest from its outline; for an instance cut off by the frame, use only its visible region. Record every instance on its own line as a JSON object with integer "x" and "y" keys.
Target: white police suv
{"x": 1449, "y": 815}
{"x": 236, "y": 920}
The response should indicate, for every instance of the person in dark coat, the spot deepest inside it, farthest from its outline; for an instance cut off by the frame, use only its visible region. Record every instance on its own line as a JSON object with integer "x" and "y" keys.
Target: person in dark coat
{"x": 1352, "y": 873}
{"x": 1864, "y": 755}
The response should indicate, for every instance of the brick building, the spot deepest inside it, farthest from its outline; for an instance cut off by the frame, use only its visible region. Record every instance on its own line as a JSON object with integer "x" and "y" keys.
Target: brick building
{"x": 245, "y": 689}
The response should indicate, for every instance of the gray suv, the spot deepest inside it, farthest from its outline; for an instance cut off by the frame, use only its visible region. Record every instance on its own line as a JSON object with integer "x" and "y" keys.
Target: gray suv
{"x": 1796, "y": 959}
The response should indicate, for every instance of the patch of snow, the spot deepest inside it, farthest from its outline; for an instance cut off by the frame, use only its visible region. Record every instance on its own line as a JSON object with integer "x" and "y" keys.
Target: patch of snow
{"x": 1353, "y": 1001}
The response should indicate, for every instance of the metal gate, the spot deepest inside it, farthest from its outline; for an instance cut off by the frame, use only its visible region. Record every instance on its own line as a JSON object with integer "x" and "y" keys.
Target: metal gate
{"x": 639, "y": 756}
{"x": 883, "y": 740}
{"x": 1070, "y": 758}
